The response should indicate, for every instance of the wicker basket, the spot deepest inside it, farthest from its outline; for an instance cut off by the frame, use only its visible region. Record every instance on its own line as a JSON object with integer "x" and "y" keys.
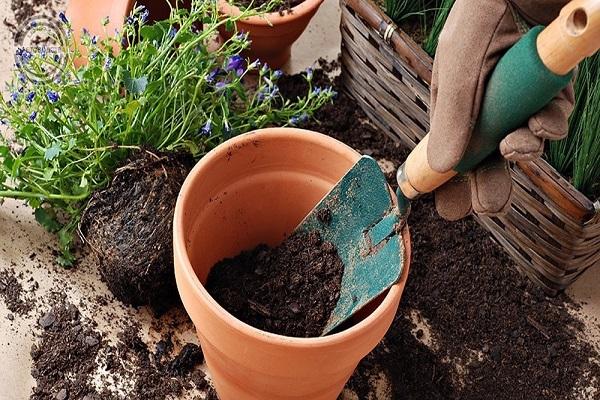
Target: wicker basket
{"x": 552, "y": 230}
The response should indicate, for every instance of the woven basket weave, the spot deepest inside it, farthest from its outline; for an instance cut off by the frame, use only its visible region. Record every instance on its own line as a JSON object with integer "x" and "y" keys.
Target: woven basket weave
{"x": 552, "y": 230}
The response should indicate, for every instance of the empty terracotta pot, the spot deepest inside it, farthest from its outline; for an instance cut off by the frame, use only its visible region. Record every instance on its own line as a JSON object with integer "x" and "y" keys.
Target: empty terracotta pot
{"x": 272, "y": 35}
{"x": 255, "y": 189}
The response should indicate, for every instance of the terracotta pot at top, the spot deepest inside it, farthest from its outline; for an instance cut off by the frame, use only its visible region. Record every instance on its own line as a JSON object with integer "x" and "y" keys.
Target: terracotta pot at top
{"x": 89, "y": 15}
{"x": 272, "y": 35}
{"x": 255, "y": 189}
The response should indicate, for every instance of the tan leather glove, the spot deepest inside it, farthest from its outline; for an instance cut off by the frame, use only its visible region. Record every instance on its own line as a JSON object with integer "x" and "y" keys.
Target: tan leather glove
{"x": 475, "y": 36}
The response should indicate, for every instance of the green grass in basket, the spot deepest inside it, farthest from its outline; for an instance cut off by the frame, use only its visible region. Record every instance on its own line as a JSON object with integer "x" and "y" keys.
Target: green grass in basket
{"x": 441, "y": 15}
{"x": 578, "y": 155}
{"x": 400, "y": 10}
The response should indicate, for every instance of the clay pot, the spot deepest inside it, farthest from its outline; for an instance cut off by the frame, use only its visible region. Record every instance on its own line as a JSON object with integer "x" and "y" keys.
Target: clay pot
{"x": 272, "y": 35}
{"x": 255, "y": 189}
{"x": 89, "y": 14}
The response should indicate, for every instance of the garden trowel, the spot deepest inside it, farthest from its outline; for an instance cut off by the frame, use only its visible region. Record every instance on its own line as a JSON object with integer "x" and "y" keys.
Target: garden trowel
{"x": 359, "y": 217}
{"x": 365, "y": 223}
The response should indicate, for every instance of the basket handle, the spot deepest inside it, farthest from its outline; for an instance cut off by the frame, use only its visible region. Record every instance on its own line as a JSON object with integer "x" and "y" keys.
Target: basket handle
{"x": 527, "y": 77}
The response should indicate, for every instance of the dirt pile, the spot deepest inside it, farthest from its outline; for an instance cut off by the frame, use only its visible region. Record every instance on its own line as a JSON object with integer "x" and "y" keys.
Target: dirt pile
{"x": 71, "y": 355}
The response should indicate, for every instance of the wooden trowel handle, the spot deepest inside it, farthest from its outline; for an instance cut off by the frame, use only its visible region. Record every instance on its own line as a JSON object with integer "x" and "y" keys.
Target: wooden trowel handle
{"x": 526, "y": 78}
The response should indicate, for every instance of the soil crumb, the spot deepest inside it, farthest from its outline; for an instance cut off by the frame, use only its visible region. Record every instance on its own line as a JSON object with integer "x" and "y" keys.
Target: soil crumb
{"x": 128, "y": 226}
{"x": 12, "y": 293}
{"x": 289, "y": 290}
{"x": 491, "y": 332}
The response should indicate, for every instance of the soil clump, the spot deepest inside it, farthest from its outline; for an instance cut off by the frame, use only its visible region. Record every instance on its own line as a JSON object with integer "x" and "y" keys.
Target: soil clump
{"x": 290, "y": 289}
{"x": 128, "y": 226}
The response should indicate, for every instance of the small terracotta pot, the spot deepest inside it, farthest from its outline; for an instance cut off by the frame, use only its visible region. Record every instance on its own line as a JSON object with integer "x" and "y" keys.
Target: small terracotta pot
{"x": 272, "y": 35}
{"x": 255, "y": 189}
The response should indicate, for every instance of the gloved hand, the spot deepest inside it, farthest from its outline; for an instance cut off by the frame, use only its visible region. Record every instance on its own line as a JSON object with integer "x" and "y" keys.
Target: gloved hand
{"x": 476, "y": 35}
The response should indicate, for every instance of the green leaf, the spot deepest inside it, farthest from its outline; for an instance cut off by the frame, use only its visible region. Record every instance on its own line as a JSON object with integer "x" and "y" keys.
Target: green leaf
{"x": 48, "y": 172}
{"x": 84, "y": 182}
{"x": 134, "y": 85}
{"x": 131, "y": 107}
{"x": 52, "y": 152}
{"x": 229, "y": 26}
{"x": 151, "y": 32}
{"x": 47, "y": 219}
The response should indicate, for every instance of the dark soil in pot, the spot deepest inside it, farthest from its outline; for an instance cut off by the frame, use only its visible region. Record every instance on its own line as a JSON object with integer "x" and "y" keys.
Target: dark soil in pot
{"x": 128, "y": 226}
{"x": 290, "y": 290}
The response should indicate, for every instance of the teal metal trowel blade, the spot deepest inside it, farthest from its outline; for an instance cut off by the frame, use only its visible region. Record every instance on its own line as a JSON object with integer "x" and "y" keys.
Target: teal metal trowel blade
{"x": 365, "y": 228}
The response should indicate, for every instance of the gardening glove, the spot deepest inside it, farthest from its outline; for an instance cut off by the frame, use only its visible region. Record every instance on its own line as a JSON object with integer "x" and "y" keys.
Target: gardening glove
{"x": 476, "y": 35}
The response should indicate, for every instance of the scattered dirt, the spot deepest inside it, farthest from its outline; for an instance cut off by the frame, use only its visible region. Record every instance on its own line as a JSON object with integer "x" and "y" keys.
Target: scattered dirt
{"x": 11, "y": 291}
{"x": 285, "y": 7}
{"x": 71, "y": 352}
{"x": 128, "y": 226}
{"x": 25, "y": 9}
{"x": 290, "y": 289}
{"x": 63, "y": 360}
{"x": 492, "y": 334}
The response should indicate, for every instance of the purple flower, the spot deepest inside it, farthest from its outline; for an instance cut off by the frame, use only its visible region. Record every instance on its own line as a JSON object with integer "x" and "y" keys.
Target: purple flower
{"x": 317, "y": 91}
{"x": 236, "y": 63}
{"x": 33, "y": 24}
{"x": 294, "y": 121}
{"x": 94, "y": 55}
{"x": 309, "y": 74}
{"x": 172, "y": 32}
{"x": 210, "y": 78}
{"x": 22, "y": 77}
{"x": 220, "y": 85}
{"x": 30, "y": 96}
{"x": 63, "y": 17}
{"x": 207, "y": 128}
{"x": 242, "y": 36}
{"x": 304, "y": 117}
{"x": 107, "y": 63}
{"x": 277, "y": 74}
{"x": 264, "y": 69}
{"x": 43, "y": 52}
{"x": 129, "y": 20}
{"x": 3, "y": 122}
{"x": 32, "y": 116}
{"x": 144, "y": 15}
{"x": 24, "y": 55}
{"x": 14, "y": 96}
{"x": 56, "y": 58}
{"x": 85, "y": 32}
{"x": 53, "y": 97}
{"x": 94, "y": 39}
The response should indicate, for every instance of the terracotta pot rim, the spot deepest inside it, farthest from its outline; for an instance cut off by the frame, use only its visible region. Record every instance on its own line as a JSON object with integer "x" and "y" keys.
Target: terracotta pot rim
{"x": 189, "y": 274}
{"x": 273, "y": 18}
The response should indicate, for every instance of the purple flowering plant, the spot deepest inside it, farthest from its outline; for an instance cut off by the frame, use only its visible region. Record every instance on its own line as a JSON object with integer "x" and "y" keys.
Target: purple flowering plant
{"x": 144, "y": 85}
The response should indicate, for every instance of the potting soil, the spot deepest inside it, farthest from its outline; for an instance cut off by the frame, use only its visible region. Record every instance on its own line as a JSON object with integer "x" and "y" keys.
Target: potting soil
{"x": 290, "y": 289}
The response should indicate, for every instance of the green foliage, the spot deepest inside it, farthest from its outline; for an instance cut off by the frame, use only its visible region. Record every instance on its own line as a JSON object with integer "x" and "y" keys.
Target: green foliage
{"x": 441, "y": 15}
{"x": 165, "y": 89}
{"x": 578, "y": 155}
{"x": 400, "y": 10}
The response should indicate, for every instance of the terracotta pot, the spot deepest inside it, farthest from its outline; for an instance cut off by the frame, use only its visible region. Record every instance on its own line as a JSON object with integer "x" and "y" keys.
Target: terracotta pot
{"x": 272, "y": 36}
{"x": 255, "y": 189}
{"x": 89, "y": 14}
